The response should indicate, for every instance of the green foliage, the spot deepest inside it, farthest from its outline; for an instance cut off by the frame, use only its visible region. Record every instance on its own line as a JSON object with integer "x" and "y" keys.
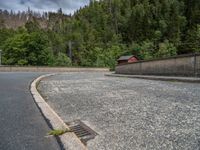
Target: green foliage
{"x": 193, "y": 40}
{"x": 147, "y": 50}
{"x": 107, "y": 57}
{"x": 4, "y": 35}
{"x": 103, "y": 31}
{"x": 27, "y": 49}
{"x": 58, "y": 132}
{"x": 166, "y": 49}
{"x": 14, "y": 50}
{"x": 22, "y": 62}
{"x": 62, "y": 60}
{"x": 112, "y": 54}
{"x": 32, "y": 26}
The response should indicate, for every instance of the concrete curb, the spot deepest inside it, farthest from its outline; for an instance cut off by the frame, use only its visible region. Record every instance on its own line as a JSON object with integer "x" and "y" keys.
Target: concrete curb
{"x": 162, "y": 78}
{"x": 69, "y": 140}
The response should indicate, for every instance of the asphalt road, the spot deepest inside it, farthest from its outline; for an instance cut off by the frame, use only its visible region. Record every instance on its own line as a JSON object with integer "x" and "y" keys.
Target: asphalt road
{"x": 22, "y": 126}
{"x": 128, "y": 114}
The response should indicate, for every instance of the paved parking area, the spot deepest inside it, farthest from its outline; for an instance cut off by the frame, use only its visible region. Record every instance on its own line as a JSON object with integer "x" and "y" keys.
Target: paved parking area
{"x": 128, "y": 113}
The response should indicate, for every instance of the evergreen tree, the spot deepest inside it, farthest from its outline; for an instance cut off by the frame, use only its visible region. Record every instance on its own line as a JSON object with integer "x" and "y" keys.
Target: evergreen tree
{"x": 102, "y": 31}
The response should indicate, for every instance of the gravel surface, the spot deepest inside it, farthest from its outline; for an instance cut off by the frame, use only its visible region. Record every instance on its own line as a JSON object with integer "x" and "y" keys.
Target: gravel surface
{"x": 128, "y": 113}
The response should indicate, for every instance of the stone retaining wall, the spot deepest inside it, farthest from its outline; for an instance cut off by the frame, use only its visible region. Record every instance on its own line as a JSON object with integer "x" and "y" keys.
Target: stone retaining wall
{"x": 49, "y": 69}
{"x": 185, "y": 65}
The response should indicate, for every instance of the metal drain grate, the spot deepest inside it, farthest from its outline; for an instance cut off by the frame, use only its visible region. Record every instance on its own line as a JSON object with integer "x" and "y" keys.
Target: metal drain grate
{"x": 83, "y": 132}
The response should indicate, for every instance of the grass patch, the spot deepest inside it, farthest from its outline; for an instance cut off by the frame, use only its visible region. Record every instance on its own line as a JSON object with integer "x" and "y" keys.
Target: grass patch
{"x": 58, "y": 132}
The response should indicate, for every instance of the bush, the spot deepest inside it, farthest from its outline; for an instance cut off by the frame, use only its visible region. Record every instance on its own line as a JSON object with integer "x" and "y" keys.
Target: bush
{"x": 22, "y": 62}
{"x": 62, "y": 60}
{"x": 166, "y": 49}
{"x": 27, "y": 49}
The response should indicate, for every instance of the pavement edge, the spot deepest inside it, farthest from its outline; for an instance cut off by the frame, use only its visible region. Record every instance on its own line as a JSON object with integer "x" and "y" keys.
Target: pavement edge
{"x": 69, "y": 140}
{"x": 161, "y": 78}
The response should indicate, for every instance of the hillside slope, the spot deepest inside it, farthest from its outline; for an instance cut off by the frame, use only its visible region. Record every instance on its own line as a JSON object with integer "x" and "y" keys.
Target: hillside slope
{"x": 97, "y": 34}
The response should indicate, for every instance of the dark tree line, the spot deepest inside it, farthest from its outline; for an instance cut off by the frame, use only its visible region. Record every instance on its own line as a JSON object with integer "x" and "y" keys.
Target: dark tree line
{"x": 99, "y": 33}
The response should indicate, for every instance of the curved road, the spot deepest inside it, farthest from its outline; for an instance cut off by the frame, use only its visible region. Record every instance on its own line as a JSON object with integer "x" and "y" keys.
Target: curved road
{"x": 22, "y": 125}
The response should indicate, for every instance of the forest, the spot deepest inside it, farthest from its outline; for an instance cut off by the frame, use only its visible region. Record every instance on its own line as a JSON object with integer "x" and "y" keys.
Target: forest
{"x": 98, "y": 34}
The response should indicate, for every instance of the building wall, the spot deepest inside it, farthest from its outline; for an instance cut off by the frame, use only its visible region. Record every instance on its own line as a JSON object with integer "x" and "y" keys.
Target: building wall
{"x": 122, "y": 61}
{"x": 133, "y": 59}
{"x": 185, "y": 65}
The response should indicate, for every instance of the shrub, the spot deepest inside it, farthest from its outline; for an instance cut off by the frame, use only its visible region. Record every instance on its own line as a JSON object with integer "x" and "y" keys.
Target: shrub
{"x": 62, "y": 60}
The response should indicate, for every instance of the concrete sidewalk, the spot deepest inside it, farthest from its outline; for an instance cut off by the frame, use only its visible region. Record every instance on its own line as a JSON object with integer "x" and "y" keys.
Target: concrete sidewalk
{"x": 163, "y": 78}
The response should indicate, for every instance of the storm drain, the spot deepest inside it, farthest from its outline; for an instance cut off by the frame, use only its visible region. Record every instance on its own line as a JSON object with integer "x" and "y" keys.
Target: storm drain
{"x": 83, "y": 132}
